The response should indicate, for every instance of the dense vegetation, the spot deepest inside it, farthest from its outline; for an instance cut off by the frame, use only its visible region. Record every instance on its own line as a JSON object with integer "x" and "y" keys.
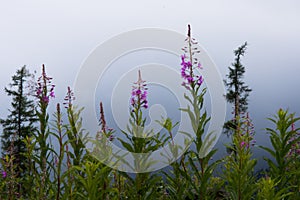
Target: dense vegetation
{"x": 33, "y": 168}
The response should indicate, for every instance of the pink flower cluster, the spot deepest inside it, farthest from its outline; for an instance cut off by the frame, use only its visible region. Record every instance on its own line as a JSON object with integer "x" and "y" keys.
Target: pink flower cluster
{"x": 187, "y": 72}
{"x": 139, "y": 94}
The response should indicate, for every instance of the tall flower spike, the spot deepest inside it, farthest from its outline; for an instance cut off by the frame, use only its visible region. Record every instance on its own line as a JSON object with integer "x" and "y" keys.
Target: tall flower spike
{"x": 107, "y": 132}
{"x": 189, "y": 63}
{"x": 69, "y": 98}
{"x": 44, "y": 89}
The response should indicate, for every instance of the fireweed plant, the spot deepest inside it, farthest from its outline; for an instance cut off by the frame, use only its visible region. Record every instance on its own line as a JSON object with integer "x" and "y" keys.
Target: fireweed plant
{"x": 99, "y": 180}
{"x": 110, "y": 179}
{"x": 144, "y": 185}
{"x": 44, "y": 91}
{"x": 64, "y": 185}
{"x": 74, "y": 130}
{"x": 239, "y": 166}
{"x": 104, "y": 136}
{"x": 200, "y": 171}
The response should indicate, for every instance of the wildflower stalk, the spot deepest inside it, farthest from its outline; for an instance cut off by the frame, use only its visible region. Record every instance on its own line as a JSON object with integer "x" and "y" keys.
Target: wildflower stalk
{"x": 74, "y": 129}
{"x": 143, "y": 184}
{"x": 92, "y": 177}
{"x": 108, "y": 133}
{"x": 239, "y": 166}
{"x": 102, "y": 150}
{"x": 44, "y": 91}
{"x": 200, "y": 171}
{"x": 138, "y": 143}
{"x": 74, "y": 133}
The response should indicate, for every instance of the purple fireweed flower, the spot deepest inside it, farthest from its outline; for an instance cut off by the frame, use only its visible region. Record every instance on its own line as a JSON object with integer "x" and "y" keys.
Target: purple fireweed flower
{"x": 243, "y": 144}
{"x": 200, "y": 80}
{"x": 183, "y": 59}
{"x": 144, "y": 96}
{"x": 190, "y": 79}
{"x": 184, "y": 84}
{"x": 199, "y": 66}
{"x": 293, "y": 126}
{"x": 110, "y": 129}
{"x": 111, "y": 137}
{"x": 4, "y": 174}
{"x": 187, "y": 73}
{"x": 52, "y": 95}
{"x": 38, "y": 92}
{"x": 132, "y": 101}
{"x": 139, "y": 94}
{"x": 45, "y": 99}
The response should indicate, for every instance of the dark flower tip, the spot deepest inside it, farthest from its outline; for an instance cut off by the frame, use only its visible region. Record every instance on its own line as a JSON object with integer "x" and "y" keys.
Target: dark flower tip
{"x": 69, "y": 98}
{"x": 102, "y": 118}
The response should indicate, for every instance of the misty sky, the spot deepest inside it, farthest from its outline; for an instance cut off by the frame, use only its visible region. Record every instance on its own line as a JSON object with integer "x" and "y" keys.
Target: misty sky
{"x": 61, "y": 34}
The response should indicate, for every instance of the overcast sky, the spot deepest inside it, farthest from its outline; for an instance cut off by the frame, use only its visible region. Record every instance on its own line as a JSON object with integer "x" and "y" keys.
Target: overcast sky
{"x": 61, "y": 34}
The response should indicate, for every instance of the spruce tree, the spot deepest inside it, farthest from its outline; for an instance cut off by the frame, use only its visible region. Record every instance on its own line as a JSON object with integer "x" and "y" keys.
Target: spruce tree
{"x": 19, "y": 123}
{"x": 237, "y": 91}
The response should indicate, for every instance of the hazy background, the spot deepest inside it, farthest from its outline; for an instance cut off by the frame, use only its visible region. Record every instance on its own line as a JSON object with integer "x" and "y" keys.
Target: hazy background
{"x": 61, "y": 34}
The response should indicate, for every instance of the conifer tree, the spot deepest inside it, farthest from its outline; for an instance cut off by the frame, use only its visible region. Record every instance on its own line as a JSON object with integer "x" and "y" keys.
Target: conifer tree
{"x": 237, "y": 91}
{"x": 19, "y": 123}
